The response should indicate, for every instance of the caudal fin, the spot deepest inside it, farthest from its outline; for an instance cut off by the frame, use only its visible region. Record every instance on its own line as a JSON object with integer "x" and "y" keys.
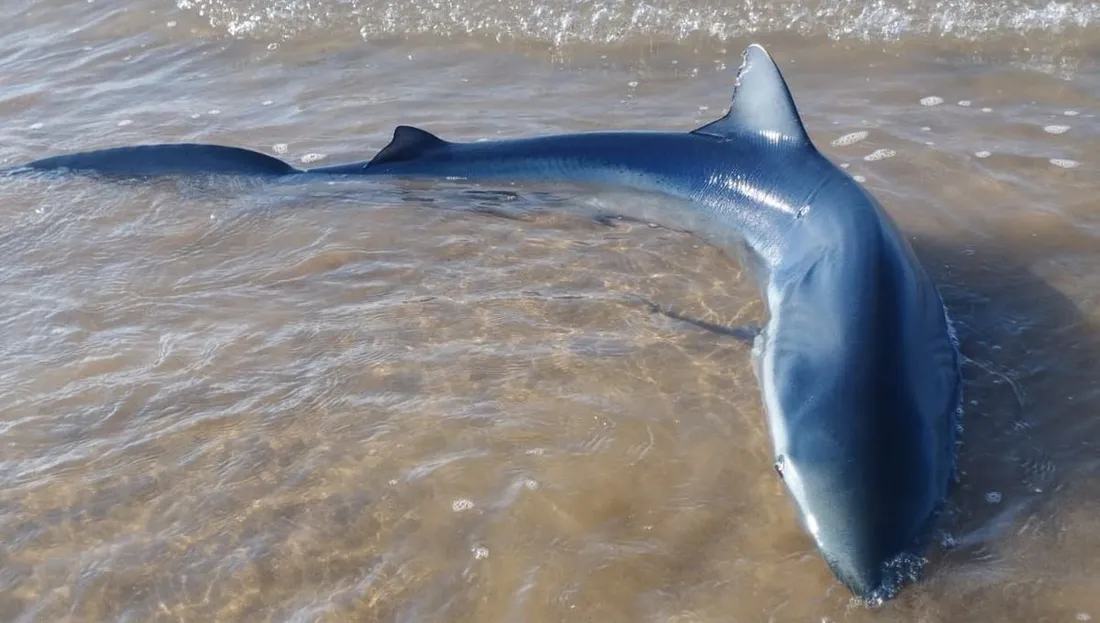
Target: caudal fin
{"x": 167, "y": 159}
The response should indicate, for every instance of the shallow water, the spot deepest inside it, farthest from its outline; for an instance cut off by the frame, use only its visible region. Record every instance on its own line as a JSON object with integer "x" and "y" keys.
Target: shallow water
{"x": 367, "y": 401}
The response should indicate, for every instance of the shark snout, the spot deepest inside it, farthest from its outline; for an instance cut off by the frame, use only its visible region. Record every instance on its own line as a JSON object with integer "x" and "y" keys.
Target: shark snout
{"x": 862, "y": 577}
{"x": 871, "y": 577}
{"x": 866, "y": 540}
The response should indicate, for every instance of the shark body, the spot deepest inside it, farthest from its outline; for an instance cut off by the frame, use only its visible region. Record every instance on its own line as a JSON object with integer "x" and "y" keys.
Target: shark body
{"x": 857, "y": 365}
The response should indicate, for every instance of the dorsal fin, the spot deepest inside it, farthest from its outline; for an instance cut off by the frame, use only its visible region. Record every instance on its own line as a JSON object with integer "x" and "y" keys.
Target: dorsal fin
{"x": 762, "y": 103}
{"x": 408, "y": 143}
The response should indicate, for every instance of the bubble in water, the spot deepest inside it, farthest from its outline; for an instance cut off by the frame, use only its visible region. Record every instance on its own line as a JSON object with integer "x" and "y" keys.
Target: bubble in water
{"x": 195, "y": 115}
{"x": 993, "y": 497}
{"x": 266, "y": 103}
{"x": 859, "y": 178}
{"x": 1083, "y": 616}
{"x": 1065, "y": 163}
{"x": 880, "y": 154}
{"x": 987, "y": 110}
{"x": 850, "y": 139}
{"x": 171, "y": 24}
{"x": 931, "y": 100}
{"x": 313, "y": 157}
{"x": 273, "y": 46}
{"x": 1056, "y": 129}
{"x": 844, "y": 165}
{"x": 530, "y": 484}
{"x": 213, "y": 111}
{"x": 964, "y": 102}
{"x": 481, "y": 553}
{"x": 982, "y": 154}
{"x": 947, "y": 540}
{"x": 280, "y": 148}
{"x": 1071, "y": 113}
{"x": 461, "y": 504}
{"x": 632, "y": 83}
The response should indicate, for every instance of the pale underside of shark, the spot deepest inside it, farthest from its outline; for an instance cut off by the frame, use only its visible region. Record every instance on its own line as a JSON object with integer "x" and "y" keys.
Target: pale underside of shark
{"x": 858, "y": 366}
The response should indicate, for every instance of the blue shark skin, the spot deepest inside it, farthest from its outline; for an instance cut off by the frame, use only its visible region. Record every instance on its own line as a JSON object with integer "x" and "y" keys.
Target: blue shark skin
{"x": 858, "y": 365}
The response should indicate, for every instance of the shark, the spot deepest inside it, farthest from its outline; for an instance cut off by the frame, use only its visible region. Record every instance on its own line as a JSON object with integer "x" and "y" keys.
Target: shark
{"x": 858, "y": 365}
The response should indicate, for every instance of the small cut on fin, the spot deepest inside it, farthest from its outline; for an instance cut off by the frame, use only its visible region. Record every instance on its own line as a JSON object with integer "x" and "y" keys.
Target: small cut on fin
{"x": 408, "y": 143}
{"x": 762, "y": 103}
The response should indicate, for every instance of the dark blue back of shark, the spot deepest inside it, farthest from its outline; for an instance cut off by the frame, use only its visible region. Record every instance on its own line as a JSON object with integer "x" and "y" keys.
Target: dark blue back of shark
{"x": 170, "y": 159}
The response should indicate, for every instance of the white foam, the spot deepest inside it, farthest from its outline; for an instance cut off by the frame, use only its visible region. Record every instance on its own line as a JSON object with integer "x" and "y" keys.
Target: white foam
{"x": 850, "y": 139}
{"x": 982, "y": 154}
{"x": 1065, "y": 163}
{"x": 880, "y": 154}
{"x": 931, "y": 100}
{"x": 461, "y": 504}
{"x": 561, "y": 22}
{"x": 993, "y": 497}
{"x": 1056, "y": 129}
{"x": 964, "y": 102}
{"x": 280, "y": 148}
{"x": 313, "y": 157}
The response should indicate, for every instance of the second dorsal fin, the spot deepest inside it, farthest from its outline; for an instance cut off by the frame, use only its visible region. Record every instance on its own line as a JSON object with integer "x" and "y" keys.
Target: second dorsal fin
{"x": 762, "y": 103}
{"x": 408, "y": 143}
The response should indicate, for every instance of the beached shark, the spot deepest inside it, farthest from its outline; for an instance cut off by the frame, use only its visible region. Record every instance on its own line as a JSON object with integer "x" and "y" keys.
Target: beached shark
{"x": 858, "y": 365}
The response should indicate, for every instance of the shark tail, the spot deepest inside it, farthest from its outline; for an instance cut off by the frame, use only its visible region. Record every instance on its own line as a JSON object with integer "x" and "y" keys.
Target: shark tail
{"x": 164, "y": 159}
